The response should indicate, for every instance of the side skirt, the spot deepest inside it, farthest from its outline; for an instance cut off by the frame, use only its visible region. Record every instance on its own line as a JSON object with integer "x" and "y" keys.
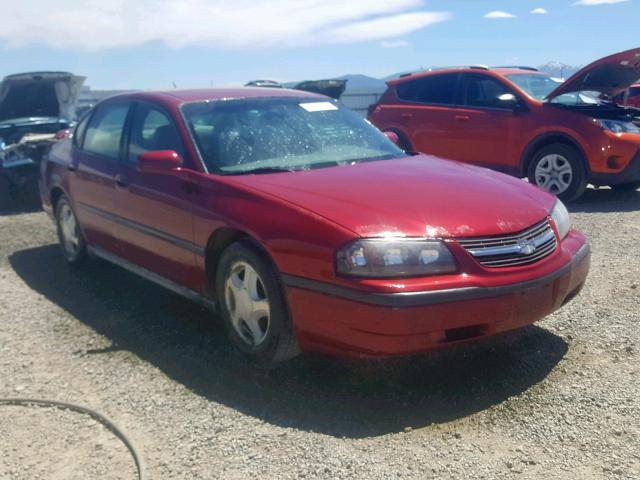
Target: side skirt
{"x": 154, "y": 277}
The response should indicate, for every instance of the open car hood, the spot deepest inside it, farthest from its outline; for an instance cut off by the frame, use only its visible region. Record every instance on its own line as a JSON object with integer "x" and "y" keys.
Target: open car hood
{"x": 609, "y": 75}
{"x": 39, "y": 94}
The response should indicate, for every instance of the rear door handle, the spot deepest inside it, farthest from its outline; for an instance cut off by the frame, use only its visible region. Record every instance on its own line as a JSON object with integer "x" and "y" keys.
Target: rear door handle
{"x": 462, "y": 118}
{"x": 406, "y": 115}
{"x": 121, "y": 180}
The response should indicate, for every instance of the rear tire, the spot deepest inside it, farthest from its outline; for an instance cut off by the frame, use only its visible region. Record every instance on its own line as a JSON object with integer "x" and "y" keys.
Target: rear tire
{"x": 253, "y": 306}
{"x": 626, "y": 187}
{"x": 72, "y": 243}
{"x": 559, "y": 169}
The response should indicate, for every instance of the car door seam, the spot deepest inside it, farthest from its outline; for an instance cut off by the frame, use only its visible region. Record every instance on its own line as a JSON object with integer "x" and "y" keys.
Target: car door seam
{"x": 158, "y": 234}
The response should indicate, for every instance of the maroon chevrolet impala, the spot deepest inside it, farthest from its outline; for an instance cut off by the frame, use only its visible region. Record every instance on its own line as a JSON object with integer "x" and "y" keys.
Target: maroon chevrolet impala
{"x": 305, "y": 227}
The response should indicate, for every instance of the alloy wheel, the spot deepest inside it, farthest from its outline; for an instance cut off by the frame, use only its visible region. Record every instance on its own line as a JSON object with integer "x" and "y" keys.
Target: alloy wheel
{"x": 247, "y": 303}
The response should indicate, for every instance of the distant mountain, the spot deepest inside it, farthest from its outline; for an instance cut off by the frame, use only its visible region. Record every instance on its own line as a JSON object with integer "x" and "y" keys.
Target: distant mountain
{"x": 558, "y": 69}
{"x": 358, "y": 82}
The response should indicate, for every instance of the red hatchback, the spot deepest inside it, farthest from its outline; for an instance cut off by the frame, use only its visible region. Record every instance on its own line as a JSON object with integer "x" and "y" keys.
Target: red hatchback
{"x": 305, "y": 226}
{"x": 561, "y": 135}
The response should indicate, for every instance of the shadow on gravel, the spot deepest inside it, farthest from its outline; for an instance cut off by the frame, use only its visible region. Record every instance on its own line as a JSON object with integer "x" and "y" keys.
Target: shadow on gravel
{"x": 335, "y": 397}
{"x": 605, "y": 200}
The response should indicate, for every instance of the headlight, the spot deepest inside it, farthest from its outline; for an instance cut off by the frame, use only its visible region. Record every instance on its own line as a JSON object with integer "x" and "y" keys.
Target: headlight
{"x": 392, "y": 258}
{"x": 560, "y": 216}
{"x": 617, "y": 126}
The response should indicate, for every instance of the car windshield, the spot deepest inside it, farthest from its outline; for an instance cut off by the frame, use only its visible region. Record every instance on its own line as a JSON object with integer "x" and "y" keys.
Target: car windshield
{"x": 282, "y": 134}
{"x": 583, "y": 98}
{"x": 536, "y": 85}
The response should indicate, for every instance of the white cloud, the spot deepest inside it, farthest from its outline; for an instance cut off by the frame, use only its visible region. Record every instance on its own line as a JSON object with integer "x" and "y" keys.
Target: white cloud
{"x": 497, "y": 14}
{"x": 598, "y": 2}
{"x": 385, "y": 27}
{"x": 241, "y": 24}
{"x": 394, "y": 43}
{"x": 539, "y": 11}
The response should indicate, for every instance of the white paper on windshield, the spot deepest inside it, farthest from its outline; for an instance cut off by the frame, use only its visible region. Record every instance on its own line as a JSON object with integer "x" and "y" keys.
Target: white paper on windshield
{"x": 318, "y": 106}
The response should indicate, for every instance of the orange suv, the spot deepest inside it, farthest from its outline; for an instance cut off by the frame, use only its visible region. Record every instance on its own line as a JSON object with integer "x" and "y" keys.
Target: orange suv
{"x": 561, "y": 135}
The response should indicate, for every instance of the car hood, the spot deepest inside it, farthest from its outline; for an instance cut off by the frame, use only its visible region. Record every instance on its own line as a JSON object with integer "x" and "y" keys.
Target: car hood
{"x": 39, "y": 94}
{"x": 418, "y": 196}
{"x": 610, "y": 75}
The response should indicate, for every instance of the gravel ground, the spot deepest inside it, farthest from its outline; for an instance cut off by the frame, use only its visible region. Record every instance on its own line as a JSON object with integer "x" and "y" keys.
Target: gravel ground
{"x": 557, "y": 400}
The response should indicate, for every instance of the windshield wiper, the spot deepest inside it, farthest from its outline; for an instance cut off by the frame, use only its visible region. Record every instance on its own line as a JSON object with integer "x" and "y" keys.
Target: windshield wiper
{"x": 261, "y": 170}
{"x": 390, "y": 156}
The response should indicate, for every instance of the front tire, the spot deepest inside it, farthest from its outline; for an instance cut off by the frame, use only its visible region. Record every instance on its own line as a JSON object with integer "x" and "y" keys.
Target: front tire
{"x": 253, "y": 306}
{"x": 559, "y": 169}
{"x": 626, "y": 187}
{"x": 72, "y": 243}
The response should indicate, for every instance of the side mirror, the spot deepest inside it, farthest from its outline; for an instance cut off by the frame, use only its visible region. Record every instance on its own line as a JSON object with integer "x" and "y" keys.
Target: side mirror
{"x": 159, "y": 161}
{"x": 507, "y": 100}
{"x": 393, "y": 136}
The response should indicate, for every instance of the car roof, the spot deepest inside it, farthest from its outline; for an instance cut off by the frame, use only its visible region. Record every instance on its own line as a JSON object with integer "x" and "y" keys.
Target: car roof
{"x": 178, "y": 97}
{"x": 466, "y": 69}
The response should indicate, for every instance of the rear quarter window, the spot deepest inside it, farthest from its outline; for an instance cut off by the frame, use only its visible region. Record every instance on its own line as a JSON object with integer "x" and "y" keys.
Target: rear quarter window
{"x": 104, "y": 131}
{"x": 81, "y": 128}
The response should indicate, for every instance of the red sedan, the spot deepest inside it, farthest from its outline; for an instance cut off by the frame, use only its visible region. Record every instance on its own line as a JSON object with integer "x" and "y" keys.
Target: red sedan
{"x": 305, "y": 227}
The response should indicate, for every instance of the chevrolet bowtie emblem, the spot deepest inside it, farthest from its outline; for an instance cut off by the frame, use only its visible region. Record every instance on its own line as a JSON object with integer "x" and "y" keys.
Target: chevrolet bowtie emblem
{"x": 527, "y": 247}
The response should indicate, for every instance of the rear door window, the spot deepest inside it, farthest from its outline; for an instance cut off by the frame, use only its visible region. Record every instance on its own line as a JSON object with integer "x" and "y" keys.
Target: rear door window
{"x": 152, "y": 130}
{"x": 104, "y": 131}
{"x": 433, "y": 89}
{"x": 482, "y": 91}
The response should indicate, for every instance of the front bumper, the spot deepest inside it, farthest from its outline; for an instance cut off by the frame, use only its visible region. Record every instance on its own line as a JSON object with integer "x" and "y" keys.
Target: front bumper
{"x": 631, "y": 173}
{"x": 346, "y": 322}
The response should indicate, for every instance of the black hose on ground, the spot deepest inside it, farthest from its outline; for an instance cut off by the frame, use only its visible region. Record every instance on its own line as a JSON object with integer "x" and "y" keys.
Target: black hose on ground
{"x": 27, "y": 402}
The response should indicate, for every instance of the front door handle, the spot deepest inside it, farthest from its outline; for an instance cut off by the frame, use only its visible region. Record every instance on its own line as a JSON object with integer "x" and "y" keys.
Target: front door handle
{"x": 121, "y": 181}
{"x": 406, "y": 115}
{"x": 462, "y": 118}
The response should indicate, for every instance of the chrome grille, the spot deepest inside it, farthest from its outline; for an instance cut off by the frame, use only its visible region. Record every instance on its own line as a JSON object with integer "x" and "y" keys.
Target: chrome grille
{"x": 522, "y": 248}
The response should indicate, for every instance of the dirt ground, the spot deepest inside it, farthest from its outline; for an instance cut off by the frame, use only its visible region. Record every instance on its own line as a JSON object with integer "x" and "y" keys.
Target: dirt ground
{"x": 557, "y": 400}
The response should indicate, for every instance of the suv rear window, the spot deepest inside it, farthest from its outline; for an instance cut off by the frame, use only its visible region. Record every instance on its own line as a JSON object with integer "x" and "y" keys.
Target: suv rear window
{"x": 438, "y": 89}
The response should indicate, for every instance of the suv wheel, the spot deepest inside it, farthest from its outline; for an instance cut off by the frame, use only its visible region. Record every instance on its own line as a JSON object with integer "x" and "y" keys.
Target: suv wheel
{"x": 72, "y": 243}
{"x": 559, "y": 169}
{"x": 626, "y": 187}
{"x": 253, "y": 306}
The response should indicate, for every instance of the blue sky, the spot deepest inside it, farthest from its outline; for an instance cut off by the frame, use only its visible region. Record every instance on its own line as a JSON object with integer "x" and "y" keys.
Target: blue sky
{"x": 154, "y": 43}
